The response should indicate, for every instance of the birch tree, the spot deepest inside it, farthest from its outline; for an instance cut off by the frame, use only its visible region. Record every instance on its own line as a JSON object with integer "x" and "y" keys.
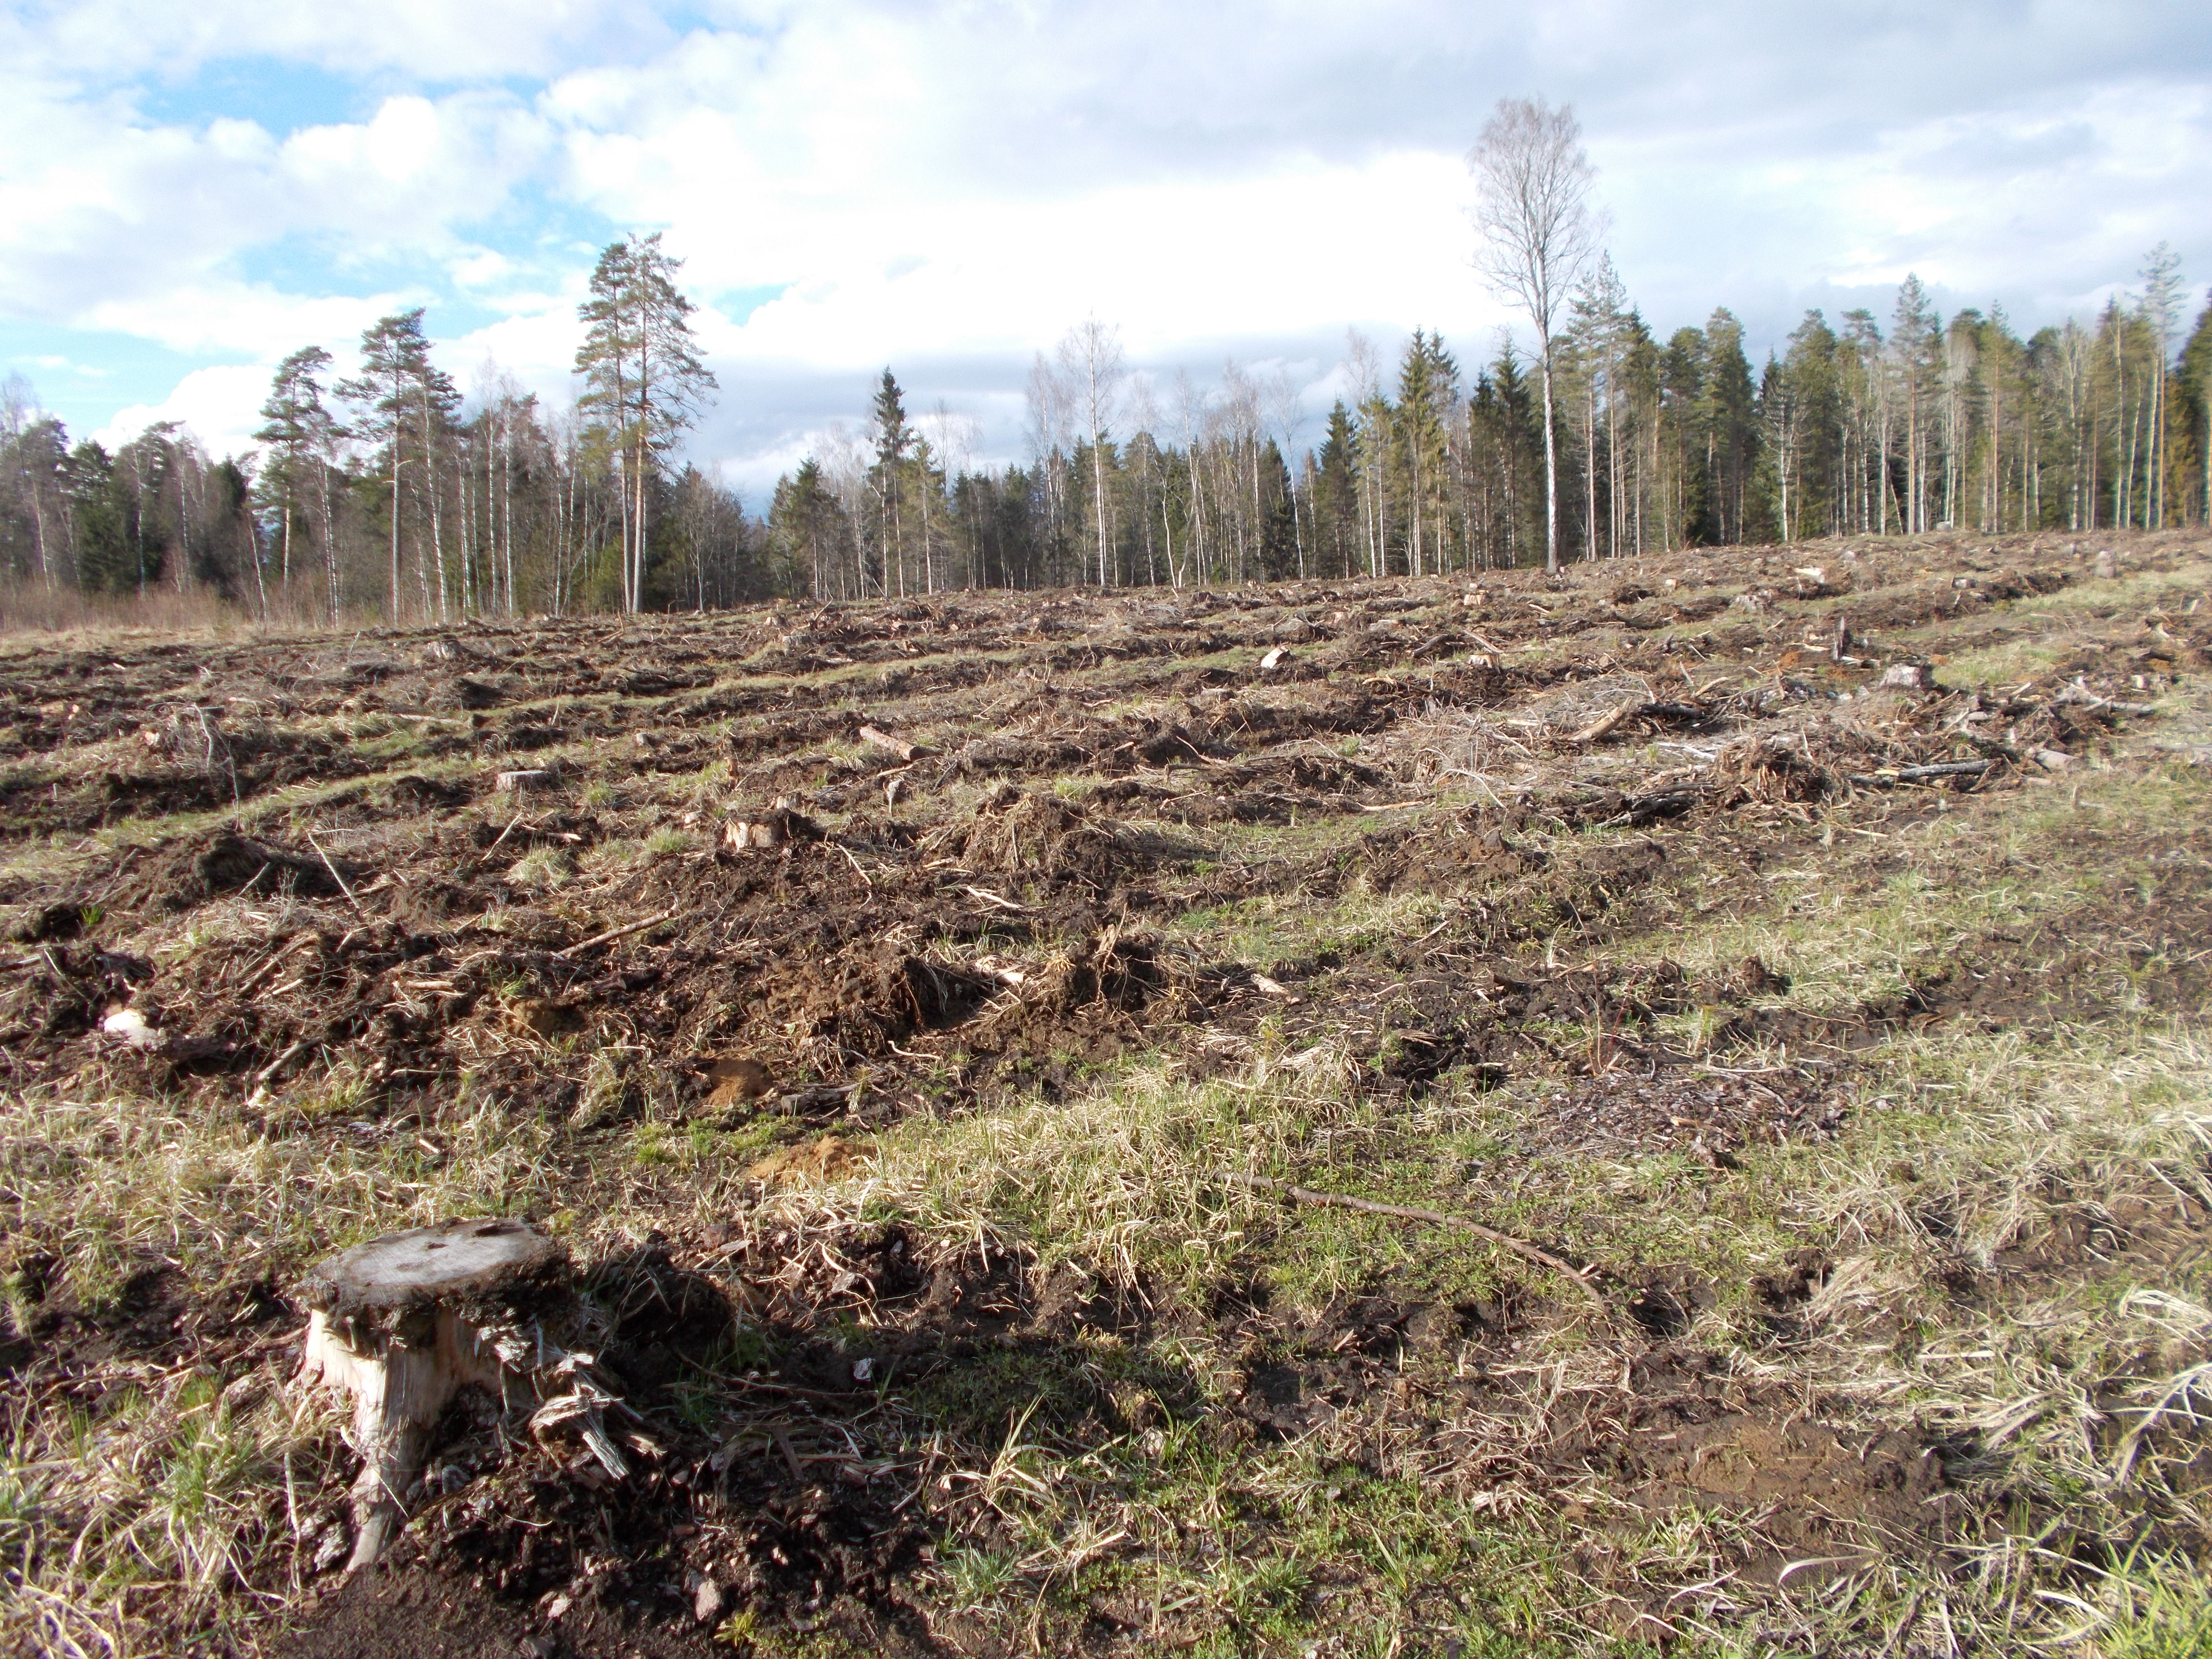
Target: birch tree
{"x": 2161, "y": 310}
{"x": 1091, "y": 364}
{"x": 1537, "y": 236}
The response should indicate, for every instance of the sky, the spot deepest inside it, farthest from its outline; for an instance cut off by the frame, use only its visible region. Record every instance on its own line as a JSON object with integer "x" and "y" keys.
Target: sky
{"x": 188, "y": 193}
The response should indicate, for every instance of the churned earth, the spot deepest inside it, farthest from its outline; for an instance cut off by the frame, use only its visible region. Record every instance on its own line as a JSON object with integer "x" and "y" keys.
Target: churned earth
{"x": 1662, "y": 1108}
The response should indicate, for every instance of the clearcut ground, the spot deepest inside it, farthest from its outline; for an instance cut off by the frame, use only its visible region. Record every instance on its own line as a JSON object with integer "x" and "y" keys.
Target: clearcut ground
{"x": 1779, "y": 1096}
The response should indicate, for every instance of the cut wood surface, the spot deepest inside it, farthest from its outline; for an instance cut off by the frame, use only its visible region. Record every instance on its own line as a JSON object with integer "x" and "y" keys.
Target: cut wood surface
{"x": 401, "y": 1324}
{"x": 428, "y": 1265}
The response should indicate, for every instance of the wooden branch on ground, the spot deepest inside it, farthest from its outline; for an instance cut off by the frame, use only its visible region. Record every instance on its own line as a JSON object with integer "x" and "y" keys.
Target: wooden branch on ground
{"x": 613, "y": 933}
{"x": 336, "y": 877}
{"x": 1921, "y": 773}
{"x": 899, "y": 746}
{"x": 1520, "y": 1247}
{"x": 1605, "y": 723}
{"x": 2078, "y": 697}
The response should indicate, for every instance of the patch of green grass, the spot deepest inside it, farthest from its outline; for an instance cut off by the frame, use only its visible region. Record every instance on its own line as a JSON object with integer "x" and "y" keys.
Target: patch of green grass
{"x": 542, "y": 869}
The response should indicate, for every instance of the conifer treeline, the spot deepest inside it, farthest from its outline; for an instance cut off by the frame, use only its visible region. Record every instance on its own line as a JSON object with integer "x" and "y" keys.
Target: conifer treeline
{"x": 390, "y": 493}
{"x": 1860, "y": 428}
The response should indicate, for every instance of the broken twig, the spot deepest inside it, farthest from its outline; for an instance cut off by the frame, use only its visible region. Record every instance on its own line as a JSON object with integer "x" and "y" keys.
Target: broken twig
{"x": 1520, "y": 1247}
{"x": 613, "y": 933}
{"x": 336, "y": 877}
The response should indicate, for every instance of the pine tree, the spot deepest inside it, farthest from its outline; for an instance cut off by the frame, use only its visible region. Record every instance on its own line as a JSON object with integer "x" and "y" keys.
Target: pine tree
{"x": 406, "y": 405}
{"x": 2197, "y": 388}
{"x": 1336, "y": 494}
{"x": 1731, "y": 425}
{"x": 107, "y": 556}
{"x": 644, "y": 381}
{"x": 1428, "y": 388}
{"x": 302, "y": 436}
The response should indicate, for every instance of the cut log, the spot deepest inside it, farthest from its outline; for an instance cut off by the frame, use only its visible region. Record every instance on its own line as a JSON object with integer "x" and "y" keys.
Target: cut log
{"x": 1272, "y": 660}
{"x": 899, "y": 746}
{"x": 522, "y": 783}
{"x": 403, "y": 1323}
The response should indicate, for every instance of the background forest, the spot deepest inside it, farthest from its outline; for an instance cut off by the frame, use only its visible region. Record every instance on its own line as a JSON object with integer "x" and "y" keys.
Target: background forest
{"x": 393, "y": 494}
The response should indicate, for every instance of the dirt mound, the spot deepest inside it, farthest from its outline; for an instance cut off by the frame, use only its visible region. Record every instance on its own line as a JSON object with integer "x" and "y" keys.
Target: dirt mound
{"x": 1039, "y": 834}
{"x": 858, "y": 1003}
{"x": 1690, "y": 1435}
{"x": 813, "y": 1162}
{"x": 184, "y": 876}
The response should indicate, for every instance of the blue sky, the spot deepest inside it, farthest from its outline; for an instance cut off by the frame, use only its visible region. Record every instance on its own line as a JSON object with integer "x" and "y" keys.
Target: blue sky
{"x": 187, "y": 194}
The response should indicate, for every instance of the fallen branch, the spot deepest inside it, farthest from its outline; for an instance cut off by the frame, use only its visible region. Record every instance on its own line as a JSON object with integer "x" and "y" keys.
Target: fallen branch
{"x": 283, "y": 1061}
{"x": 336, "y": 877}
{"x": 2080, "y": 697}
{"x": 899, "y": 746}
{"x": 1664, "y": 804}
{"x": 276, "y": 959}
{"x": 1520, "y": 1247}
{"x": 613, "y": 933}
{"x": 1605, "y": 723}
{"x": 1920, "y": 774}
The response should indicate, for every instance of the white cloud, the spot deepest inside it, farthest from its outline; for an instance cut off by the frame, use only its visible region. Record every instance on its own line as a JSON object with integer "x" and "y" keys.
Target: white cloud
{"x": 230, "y": 317}
{"x": 95, "y": 213}
{"x": 952, "y": 185}
{"x": 219, "y": 406}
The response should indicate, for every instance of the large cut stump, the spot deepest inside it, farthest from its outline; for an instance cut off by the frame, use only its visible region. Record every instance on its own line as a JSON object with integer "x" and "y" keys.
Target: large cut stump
{"x": 403, "y": 1323}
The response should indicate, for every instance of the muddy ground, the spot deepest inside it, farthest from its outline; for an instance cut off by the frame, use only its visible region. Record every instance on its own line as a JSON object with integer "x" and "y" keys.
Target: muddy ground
{"x": 713, "y": 913}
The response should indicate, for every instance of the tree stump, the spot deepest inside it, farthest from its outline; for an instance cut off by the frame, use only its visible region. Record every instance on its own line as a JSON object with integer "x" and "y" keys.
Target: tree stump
{"x": 779, "y": 827}
{"x": 403, "y": 1323}
{"x": 522, "y": 783}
